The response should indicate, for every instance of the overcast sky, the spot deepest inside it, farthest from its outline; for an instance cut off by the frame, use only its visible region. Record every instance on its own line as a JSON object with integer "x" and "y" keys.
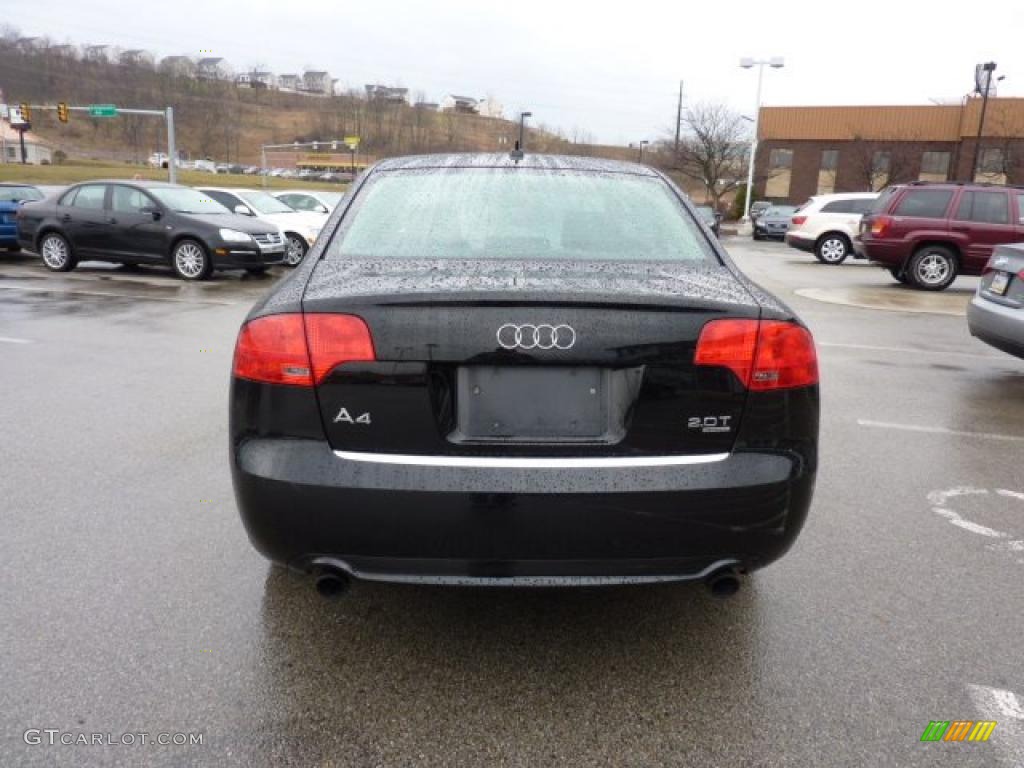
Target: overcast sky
{"x": 608, "y": 68}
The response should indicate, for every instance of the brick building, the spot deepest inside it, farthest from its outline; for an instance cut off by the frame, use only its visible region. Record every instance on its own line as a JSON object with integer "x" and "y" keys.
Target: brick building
{"x": 804, "y": 151}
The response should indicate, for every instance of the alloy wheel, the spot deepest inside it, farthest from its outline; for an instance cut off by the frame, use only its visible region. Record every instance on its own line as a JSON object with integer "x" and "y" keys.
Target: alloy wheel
{"x": 933, "y": 269}
{"x": 54, "y": 251}
{"x": 190, "y": 260}
{"x": 295, "y": 251}
{"x": 833, "y": 250}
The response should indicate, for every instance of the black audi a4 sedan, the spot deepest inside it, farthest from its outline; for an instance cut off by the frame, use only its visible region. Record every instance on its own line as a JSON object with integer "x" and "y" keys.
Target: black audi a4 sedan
{"x": 146, "y": 222}
{"x": 521, "y": 371}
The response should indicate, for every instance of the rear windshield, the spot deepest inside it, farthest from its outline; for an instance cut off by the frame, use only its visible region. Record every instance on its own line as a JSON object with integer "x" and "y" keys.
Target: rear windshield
{"x": 17, "y": 194}
{"x": 881, "y": 203}
{"x": 494, "y": 213}
{"x": 780, "y": 210}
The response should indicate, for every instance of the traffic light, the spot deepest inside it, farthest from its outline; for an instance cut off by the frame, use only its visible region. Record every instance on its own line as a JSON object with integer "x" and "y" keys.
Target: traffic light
{"x": 62, "y": 111}
{"x": 26, "y": 113}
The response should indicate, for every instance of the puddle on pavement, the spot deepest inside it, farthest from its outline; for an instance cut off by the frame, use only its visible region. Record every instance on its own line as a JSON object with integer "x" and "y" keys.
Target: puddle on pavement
{"x": 892, "y": 299}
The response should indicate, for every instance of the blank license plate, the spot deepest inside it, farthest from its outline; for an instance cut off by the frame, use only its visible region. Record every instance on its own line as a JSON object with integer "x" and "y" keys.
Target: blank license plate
{"x": 999, "y": 283}
{"x": 552, "y": 403}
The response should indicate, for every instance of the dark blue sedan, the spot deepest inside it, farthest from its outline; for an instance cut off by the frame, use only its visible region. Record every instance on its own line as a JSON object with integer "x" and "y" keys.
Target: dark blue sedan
{"x": 11, "y": 197}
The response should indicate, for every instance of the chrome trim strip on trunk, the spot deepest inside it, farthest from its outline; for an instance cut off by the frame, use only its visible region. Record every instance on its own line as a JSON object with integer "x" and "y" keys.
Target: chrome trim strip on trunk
{"x": 490, "y": 462}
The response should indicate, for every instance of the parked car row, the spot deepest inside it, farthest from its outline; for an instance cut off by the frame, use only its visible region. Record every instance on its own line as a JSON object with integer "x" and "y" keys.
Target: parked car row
{"x": 196, "y": 231}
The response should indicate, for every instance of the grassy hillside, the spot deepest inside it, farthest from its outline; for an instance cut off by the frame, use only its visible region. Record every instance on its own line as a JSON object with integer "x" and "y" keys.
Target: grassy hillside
{"x": 70, "y": 174}
{"x": 216, "y": 119}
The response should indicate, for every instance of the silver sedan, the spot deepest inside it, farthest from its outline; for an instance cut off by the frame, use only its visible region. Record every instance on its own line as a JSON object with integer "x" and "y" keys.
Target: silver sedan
{"x": 996, "y": 313}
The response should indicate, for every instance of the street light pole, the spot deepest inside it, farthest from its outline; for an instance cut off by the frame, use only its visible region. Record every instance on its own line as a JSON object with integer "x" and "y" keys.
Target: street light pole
{"x": 776, "y": 62}
{"x": 522, "y": 122}
{"x": 989, "y": 68}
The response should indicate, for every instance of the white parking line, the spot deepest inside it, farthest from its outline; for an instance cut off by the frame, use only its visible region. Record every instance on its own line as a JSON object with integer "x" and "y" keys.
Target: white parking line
{"x": 9, "y": 340}
{"x": 906, "y": 350}
{"x": 938, "y": 430}
{"x": 111, "y": 294}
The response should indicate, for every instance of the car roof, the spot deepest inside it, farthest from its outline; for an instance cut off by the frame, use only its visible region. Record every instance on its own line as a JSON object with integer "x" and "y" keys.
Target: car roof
{"x": 505, "y": 160}
{"x": 141, "y": 183}
{"x": 17, "y": 184}
{"x": 846, "y": 196}
{"x": 956, "y": 185}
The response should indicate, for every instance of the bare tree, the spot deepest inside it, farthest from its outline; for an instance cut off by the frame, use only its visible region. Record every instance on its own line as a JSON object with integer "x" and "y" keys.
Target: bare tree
{"x": 712, "y": 150}
{"x": 877, "y": 162}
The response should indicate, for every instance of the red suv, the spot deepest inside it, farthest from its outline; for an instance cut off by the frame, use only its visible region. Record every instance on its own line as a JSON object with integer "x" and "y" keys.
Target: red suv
{"x": 927, "y": 233}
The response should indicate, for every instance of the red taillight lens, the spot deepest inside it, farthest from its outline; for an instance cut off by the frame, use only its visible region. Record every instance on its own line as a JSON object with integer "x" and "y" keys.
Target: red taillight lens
{"x": 273, "y": 350}
{"x": 337, "y": 339}
{"x": 299, "y": 350}
{"x": 880, "y": 225}
{"x": 798, "y": 220}
{"x": 764, "y": 355}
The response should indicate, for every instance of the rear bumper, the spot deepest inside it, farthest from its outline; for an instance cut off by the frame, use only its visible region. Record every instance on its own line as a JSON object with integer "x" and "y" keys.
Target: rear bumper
{"x": 799, "y": 242}
{"x": 884, "y": 253}
{"x": 997, "y": 325}
{"x": 304, "y": 505}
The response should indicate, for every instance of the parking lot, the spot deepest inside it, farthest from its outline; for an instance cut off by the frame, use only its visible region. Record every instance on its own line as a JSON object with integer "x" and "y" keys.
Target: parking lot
{"x": 133, "y": 602}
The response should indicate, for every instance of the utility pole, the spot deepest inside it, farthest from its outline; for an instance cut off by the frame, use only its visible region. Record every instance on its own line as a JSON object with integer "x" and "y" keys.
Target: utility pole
{"x": 988, "y": 68}
{"x": 172, "y": 148}
{"x": 679, "y": 116}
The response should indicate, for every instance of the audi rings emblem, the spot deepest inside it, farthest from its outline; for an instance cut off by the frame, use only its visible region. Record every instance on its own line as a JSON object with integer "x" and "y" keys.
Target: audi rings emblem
{"x": 536, "y": 336}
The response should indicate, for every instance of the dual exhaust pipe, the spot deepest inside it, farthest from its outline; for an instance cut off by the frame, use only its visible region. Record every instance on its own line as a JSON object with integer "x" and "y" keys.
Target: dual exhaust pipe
{"x": 332, "y": 583}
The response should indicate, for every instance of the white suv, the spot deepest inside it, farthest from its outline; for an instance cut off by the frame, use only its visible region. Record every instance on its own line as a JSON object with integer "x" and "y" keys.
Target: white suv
{"x": 826, "y": 224}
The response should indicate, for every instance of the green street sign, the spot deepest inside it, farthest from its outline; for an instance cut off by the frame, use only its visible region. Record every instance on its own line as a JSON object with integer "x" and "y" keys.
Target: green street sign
{"x": 102, "y": 110}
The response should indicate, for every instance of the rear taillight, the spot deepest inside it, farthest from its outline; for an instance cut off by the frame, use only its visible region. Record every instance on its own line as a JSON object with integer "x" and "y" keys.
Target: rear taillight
{"x": 299, "y": 350}
{"x": 764, "y": 354}
{"x": 798, "y": 220}
{"x": 880, "y": 225}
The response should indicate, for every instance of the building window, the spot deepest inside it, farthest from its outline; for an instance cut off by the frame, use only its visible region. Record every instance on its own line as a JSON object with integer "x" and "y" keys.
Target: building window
{"x": 934, "y": 166}
{"x": 12, "y": 153}
{"x": 827, "y": 172}
{"x": 780, "y": 170}
{"x": 880, "y": 164}
{"x": 991, "y": 166}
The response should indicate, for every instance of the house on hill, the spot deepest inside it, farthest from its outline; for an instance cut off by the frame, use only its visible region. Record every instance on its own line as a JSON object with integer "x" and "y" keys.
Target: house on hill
{"x": 464, "y": 104}
{"x": 179, "y": 66}
{"x": 318, "y": 82}
{"x": 213, "y": 68}
{"x": 289, "y": 82}
{"x": 387, "y": 93}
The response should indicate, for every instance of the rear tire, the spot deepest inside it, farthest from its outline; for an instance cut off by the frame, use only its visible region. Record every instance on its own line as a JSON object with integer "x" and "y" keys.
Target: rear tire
{"x": 190, "y": 260}
{"x": 832, "y": 248}
{"x": 56, "y": 252}
{"x": 899, "y": 275}
{"x": 932, "y": 268}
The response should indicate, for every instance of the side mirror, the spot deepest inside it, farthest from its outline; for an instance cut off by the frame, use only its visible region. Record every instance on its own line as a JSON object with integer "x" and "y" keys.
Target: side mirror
{"x": 321, "y": 208}
{"x": 152, "y": 211}
{"x": 243, "y": 209}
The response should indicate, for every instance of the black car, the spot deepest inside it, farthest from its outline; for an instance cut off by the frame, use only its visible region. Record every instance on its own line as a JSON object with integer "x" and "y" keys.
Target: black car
{"x": 708, "y": 215}
{"x": 521, "y": 371}
{"x": 773, "y": 222}
{"x": 146, "y": 222}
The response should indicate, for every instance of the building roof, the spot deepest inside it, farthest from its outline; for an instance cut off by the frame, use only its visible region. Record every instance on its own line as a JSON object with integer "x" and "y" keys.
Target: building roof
{"x": 504, "y": 160}
{"x": 935, "y": 122}
{"x": 463, "y": 98}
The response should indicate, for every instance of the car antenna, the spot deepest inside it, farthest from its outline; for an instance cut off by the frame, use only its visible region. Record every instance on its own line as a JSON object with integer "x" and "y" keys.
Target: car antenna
{"x": 516, "y": 154}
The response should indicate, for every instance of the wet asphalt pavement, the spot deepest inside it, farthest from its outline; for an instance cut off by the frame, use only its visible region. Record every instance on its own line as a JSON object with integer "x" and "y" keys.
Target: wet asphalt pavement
{"x": 131, "y": 600}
